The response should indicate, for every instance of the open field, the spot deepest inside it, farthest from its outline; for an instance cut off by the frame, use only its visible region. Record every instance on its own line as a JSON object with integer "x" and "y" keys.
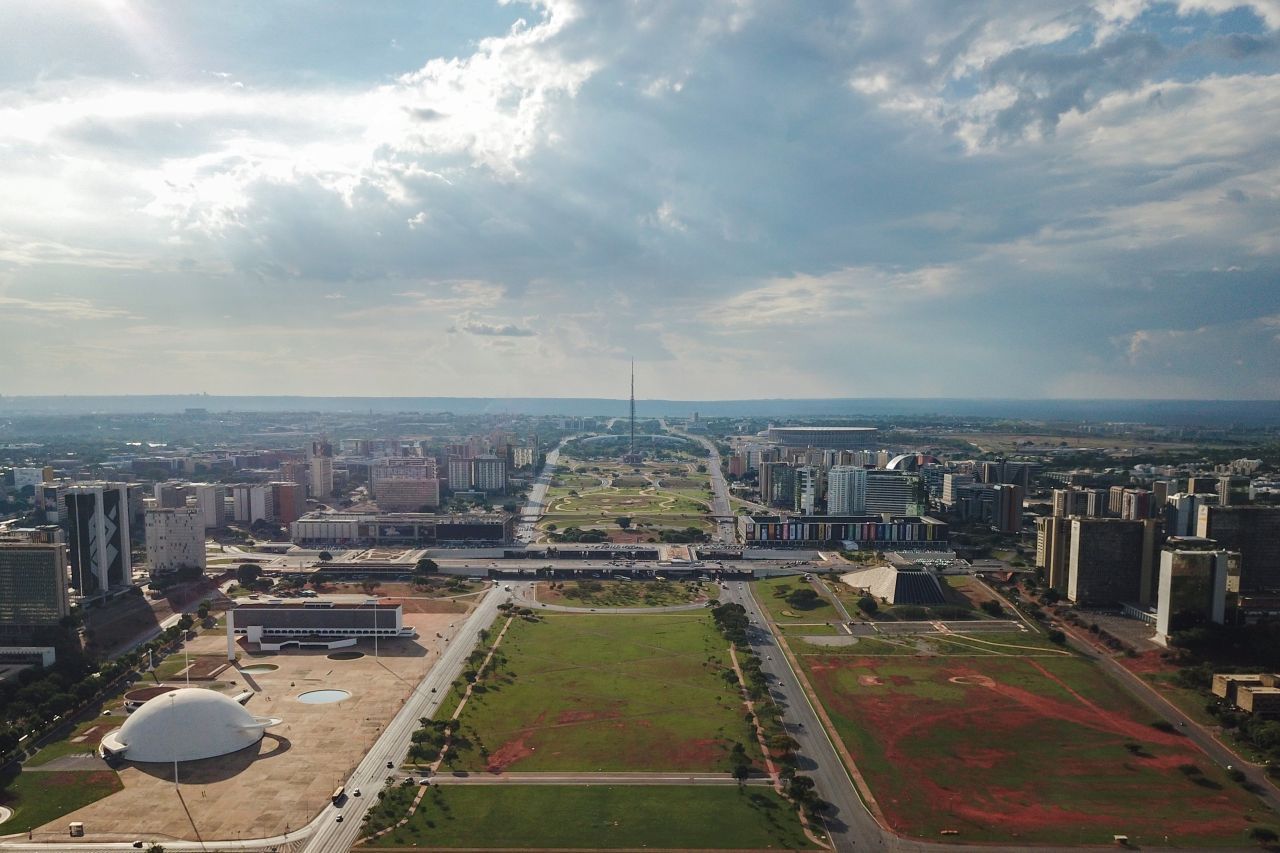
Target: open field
{"x": 595, "y": 593}
{"x": 772, "y": 594}
{"x": 580, "y": 816}
{"x": 618, "y": 692}
{"x": 1037, "y": 748}
{"x": 38, "y": 797}
{"x": 82, "y": 739}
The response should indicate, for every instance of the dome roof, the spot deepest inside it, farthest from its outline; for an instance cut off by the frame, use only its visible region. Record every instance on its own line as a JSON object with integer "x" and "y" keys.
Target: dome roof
{"x": 185, "y": 725}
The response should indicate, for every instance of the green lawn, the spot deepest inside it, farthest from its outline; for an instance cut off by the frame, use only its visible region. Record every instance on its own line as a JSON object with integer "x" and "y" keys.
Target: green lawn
{"x": 772, "y": 593}
{"x": 39, "y": 797}
{"x": 624, "y": 593}
{"x": 1019, "y": 749}
{"x": 618, "y": 692}
{"x": 67, "y": 746}
{"x": 578, "y": 816}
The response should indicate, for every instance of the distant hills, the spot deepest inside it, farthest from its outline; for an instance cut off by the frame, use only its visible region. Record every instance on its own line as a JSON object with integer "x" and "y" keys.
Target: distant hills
{"x": 1209, "y": 413}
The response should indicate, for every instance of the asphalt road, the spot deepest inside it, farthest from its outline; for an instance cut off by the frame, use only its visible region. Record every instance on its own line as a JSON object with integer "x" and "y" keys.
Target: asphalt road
{"x": 526, "y": 530}
{"x": 726, "y": 531}
{"x": 326, "y": 834}
{"x": 849, "y": 824}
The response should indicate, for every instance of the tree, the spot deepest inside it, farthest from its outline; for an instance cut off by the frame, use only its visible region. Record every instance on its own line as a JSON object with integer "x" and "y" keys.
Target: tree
{"x": 992, "y": 608}
{"x": 868, "y": 605}
{"x": 368, "y": 586}
{"x": 804, "y": 598}
{"x": 741, "y": 772}
{"x": 623, "y": 521}
{"x": 247, "y": 573}
{"x": 325, "y": 556}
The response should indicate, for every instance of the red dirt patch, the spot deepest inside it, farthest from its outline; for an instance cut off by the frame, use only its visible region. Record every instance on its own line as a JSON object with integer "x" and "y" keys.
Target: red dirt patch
{"x": 697, "y": 753}
{"x": 507, "y": 754}
{"x": 567, "y": 717}
{"x": 869, "y": 681}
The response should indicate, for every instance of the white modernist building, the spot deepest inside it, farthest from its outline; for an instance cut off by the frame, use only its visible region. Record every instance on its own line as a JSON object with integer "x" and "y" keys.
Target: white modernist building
{"x": 318, "y": 624}
{"x": 186, "y": 725}
{"x": 175, "y": 540}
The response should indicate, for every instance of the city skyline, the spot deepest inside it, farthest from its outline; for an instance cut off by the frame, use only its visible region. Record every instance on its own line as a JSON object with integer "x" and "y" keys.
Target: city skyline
{"x": 1060, "y": 200}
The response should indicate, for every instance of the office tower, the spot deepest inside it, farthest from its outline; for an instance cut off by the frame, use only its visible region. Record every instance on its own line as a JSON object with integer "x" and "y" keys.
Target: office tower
{"x": 1008, "y": 507}
{"x": 354, "y": 447}
{"x": 1182, "y": 513}
{"x": 289, "y": 501}
{"x": 1195, "y": 579}
{"x": 777, "y": 484}
{"x": 97, "y": 521}
{"x": 1202, "y": 485}
{"x": 1159, "y": 495}
{"x": 1070, "y": 501}
{"x": 1254, "y": 531}
{"x": 737, "y": 465}
{"x": 808, "y": 489}
{"x": 252, "y": 502}
{"x": 846, "y": 490}
{"x": 459, "y": 472}
{"x": 951, "y": 484}
{"x": 175, "y": 540}
{"x": 1135, "y": 504}
{"x": 1053, "y": 549}
{"x": 33, "y": 588}
{"x": 1096, "y": 502}
{"x": 405, "y": 484}
{"x": 1115, "y": 500}
{"x": 320, "y": 463}
{"x": 170, "y": 495}
{"x": 1233, "y": 490}
{"x": 893, "y": 492}
{"x": 489, "y": 474}
{"x": 1004, "y": 471}
{"x": 212, "y": 503}
{"x": 1111, "y": 561}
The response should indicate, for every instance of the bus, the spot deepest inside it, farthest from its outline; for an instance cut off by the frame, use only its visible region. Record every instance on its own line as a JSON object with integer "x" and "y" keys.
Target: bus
{"x": 338, "y": 793}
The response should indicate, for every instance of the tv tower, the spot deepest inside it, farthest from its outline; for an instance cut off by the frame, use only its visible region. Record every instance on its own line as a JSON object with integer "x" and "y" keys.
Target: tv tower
{"x": 632, "y": 452}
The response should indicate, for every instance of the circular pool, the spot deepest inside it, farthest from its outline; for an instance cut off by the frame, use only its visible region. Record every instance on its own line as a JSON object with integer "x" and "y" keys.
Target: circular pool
{"x": 346, "y": 656}
{"x": 323, "y": 697}
{"x": 258, "y": 668}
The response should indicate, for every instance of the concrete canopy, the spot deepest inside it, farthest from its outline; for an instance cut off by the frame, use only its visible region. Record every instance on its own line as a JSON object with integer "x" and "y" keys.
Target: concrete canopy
{"x": 185, "y": 725}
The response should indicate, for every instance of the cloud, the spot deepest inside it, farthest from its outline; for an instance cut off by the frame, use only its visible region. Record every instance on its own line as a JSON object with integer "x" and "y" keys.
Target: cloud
{"x": 990, "y": 197}
{"x": 486, "y": 328}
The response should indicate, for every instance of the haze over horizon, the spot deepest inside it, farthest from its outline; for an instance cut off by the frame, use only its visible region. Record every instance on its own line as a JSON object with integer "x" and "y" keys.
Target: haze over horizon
{"x": 756, "y": 200}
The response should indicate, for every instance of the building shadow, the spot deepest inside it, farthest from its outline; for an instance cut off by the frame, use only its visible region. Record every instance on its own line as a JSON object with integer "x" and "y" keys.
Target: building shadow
{"x": 206, "y": 771}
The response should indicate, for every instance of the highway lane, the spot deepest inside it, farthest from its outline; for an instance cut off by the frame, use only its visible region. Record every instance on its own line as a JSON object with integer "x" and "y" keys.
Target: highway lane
{"x": 849, "y": 823}
{"x": 726, "y": 531}
{"x": 536, "y": 505}
{"x": 326, "y": 834}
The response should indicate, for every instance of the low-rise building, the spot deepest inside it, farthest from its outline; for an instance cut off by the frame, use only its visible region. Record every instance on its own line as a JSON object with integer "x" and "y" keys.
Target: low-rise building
{"x": 401, "y": 528}
{"x": 320, "y": 623}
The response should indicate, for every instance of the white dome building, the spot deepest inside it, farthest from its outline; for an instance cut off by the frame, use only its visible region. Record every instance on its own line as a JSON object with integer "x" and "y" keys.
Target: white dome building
{"x": 185, "y": 725}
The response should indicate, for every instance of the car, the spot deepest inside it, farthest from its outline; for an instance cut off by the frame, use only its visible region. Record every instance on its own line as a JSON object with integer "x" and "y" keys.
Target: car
{"x": 356, "y": 792}
{"x": 339, "y": 819}
{"x": 390, "y": 764}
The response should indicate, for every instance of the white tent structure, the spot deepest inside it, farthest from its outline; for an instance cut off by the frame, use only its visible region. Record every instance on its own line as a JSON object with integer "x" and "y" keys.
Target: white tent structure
{"x": 185, "y": 725}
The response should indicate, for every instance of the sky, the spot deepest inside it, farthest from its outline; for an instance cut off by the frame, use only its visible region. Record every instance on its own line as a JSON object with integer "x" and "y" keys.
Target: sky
{"x": 751, "y": 199}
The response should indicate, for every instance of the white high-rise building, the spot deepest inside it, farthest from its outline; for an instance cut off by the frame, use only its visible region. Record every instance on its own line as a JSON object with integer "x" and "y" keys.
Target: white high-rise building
{"x": 212, "y": 501}
{"x": 175, "y": 540}
{"x": 320, "y": 465}
{"x": 252, "y": 502}
{"x": 846, "y": 490}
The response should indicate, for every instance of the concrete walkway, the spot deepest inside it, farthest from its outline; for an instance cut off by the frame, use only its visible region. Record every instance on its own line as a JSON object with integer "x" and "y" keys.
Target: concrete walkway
{"x": 525, "y": 596}
{"x": 464, "y": 778}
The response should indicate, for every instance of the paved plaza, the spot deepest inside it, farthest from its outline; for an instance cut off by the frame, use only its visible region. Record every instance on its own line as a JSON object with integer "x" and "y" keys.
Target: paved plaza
{"x": 283, "y": 781}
